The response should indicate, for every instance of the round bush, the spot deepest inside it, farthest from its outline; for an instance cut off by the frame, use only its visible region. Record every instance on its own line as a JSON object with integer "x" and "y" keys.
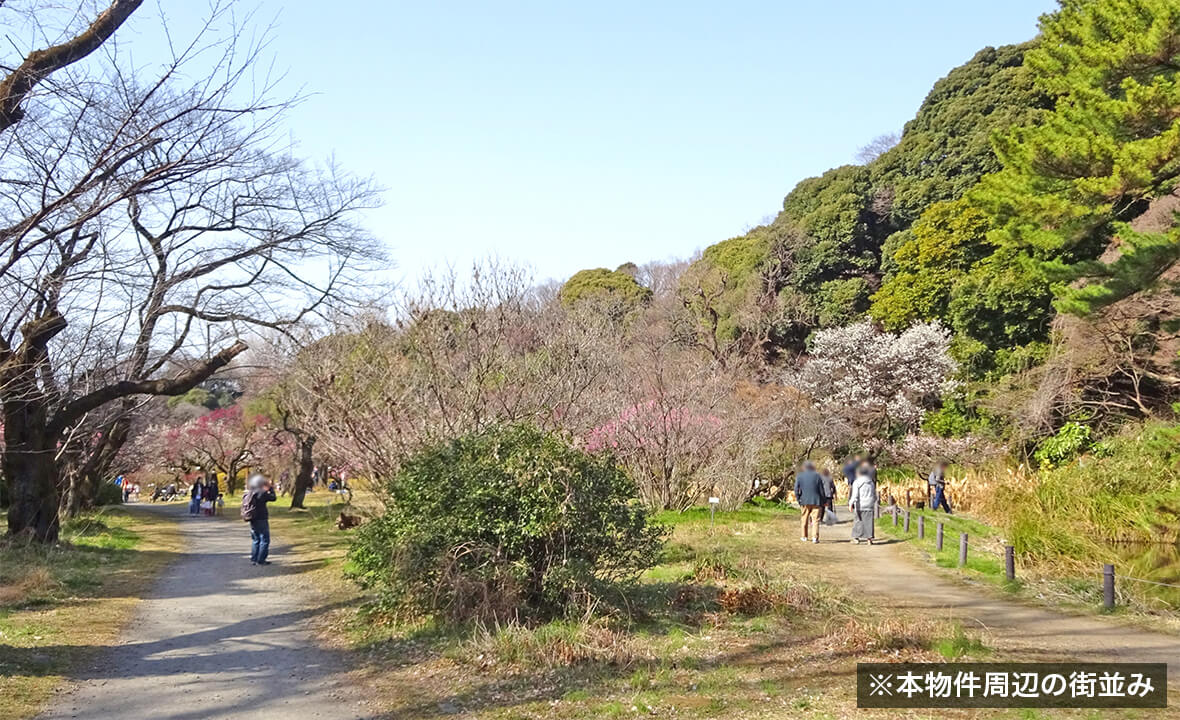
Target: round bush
{"x": 508, "y": 523}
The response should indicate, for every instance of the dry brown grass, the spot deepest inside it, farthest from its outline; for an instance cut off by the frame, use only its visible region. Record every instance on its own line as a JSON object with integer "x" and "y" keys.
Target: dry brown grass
{"x": 970, "y": 490}
{"x": 33, "y": 581}
{"x": 914, "y": 636}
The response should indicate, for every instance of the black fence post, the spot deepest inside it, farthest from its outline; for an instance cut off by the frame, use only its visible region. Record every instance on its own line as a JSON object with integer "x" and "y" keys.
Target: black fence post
{"x": 1108, "y": 587}
{"x": 962, "y": 549}
{"x": 1009, "y": 562}
{"x": 921, "y": 527}
{"x": 907, "y": 521}
{"x": 938, "y": 537}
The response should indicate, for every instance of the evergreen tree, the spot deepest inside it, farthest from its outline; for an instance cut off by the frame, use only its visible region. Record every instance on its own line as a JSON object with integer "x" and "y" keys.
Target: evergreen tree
{"x": 1073, "y": 179}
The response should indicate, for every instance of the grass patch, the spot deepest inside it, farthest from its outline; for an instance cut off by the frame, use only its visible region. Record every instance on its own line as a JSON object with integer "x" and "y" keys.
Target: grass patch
{"x": 960, "y": 645}
{"x": 984, "y": 545}
{"x": 732, "y": 623}
{"x": 61, "y": 603}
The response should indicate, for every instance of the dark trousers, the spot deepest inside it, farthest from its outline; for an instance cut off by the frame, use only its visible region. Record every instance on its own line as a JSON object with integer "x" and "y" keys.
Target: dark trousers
{"x": 940, "y": 499}
{"x": 260, "y": 534}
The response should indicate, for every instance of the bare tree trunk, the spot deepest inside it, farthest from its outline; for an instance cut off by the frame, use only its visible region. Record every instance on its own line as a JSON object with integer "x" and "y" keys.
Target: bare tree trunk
{"x": 28, "y": 464}
{"x": 71, "y": 503}
{"x": 306, "y": 466}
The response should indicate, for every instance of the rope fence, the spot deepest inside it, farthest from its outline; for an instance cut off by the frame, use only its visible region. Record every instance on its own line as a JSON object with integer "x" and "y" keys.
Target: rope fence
{"x": 1009, "y": 555}
{"x": 1150, "y": 582}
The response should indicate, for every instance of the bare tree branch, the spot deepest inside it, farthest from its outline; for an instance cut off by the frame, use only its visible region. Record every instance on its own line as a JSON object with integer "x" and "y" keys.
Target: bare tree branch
{"x": 39, "y": 64}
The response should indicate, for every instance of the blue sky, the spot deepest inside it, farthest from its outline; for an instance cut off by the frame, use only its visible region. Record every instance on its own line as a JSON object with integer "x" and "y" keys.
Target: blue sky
{"x": 570, "y": 135}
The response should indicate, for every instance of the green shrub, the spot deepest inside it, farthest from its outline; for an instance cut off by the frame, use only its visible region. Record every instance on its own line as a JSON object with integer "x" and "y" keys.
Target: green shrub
{"x": 109, "y": 494}
{"x": 1071, "y": 440}
{"x": 616, "y": 290}
{"x": 508, "y": 524}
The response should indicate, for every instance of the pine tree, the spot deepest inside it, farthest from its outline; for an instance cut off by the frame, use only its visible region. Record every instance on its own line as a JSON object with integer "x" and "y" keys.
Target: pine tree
{"x": 1075, "y": 177}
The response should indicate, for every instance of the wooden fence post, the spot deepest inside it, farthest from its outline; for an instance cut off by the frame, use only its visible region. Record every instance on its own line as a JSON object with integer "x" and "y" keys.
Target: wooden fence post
{"x": 1108, "y": 587}
{"x": 894, "y": 516}
{"x": 1009, "y": 562}
{"x": 907, "y": 521}
{"x": 921, "y": 527}
{"x": 962, "y": 549}
{"x": 938, "y": 537}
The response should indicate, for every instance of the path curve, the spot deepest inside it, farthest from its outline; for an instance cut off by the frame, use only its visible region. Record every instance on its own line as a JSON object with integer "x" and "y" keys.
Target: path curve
{"x": 217, "y": 637}
{"x": 895, "y": 578}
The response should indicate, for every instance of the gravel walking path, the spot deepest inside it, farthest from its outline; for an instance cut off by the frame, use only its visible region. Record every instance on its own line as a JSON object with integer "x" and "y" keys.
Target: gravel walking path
{"x": 217, "y": 638}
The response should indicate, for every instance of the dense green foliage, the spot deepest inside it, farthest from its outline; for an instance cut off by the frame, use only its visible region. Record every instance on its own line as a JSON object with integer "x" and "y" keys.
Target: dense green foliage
{"x": 1070, "y": 441}
{"x": 946, "y": 148}
{"x": 1073, "y": 180}
{"x": 615, "y": 288}
{"x": 510, "y": 523}
{"x": 827, "y": 252}
{"x": 942, "y": 247}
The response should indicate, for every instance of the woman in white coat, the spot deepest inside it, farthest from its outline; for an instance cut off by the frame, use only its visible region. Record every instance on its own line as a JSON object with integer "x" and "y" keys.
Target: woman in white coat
{"x": 862, "y": 503}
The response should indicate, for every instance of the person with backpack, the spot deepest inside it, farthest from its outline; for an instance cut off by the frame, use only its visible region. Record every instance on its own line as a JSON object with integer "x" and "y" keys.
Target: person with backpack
{"x": 259, "y": 492}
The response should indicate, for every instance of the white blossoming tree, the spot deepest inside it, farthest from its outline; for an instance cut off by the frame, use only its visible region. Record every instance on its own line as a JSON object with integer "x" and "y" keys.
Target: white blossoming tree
{"x": 873, "y": 384}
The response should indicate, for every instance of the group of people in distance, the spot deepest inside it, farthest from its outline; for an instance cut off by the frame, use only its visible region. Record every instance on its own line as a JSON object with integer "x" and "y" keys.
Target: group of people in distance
{"x": 204, "y": 496}
{"x": 815, "y": 492}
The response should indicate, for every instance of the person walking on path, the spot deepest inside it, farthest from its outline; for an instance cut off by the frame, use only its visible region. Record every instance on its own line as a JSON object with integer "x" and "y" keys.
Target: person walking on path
{"x": 862, "y": 503}
{"x": 829, "y": 493}
{"x": 937, "y": 481}
{"x": 849, "y": 469}
{"x": 210, "y": 500}
{"x": 809, "y": 493}
{"x": 194, "y": 499}
{"x": 258, "y": 493}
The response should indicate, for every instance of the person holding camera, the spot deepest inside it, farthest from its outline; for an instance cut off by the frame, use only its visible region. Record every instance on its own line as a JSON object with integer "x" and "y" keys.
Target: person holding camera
{"x": 259, "y": 492}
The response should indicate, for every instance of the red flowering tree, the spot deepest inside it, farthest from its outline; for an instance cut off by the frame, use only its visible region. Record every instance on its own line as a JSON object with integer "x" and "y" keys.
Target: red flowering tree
{"x": 666, "y": 446}
{"x": 226, "y": 440}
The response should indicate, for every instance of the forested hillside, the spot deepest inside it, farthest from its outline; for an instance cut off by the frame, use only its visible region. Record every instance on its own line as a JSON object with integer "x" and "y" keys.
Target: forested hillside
{"x": 833, "y": 245}
{"x": 1027, "y": 207}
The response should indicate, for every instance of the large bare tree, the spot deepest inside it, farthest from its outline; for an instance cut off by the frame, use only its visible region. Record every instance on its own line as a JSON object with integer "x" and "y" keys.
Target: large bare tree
{"x": 151, "y": 221}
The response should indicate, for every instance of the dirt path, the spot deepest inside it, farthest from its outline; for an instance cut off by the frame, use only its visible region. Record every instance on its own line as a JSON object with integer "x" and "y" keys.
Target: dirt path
{"x": 1035, "y": 632}
{"x": 217, "y": 638}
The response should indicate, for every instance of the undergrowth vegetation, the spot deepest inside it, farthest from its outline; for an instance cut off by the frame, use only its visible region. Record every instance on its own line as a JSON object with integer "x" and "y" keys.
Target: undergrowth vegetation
{"x": 508, "y": 524}
{"x": 727, "y": 623}
{"x": 1128, "y": 492}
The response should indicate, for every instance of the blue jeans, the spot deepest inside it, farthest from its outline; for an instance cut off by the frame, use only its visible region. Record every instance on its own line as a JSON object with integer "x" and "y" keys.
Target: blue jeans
{"x": 940, "y": 499}
{"x": 194, "y": 506}
{"x": 260, "y": 534}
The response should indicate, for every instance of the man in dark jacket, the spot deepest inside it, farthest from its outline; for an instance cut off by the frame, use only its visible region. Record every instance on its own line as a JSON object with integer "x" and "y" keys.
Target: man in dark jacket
{"x": 849, "y": 469}
{"x": 263, "y": 493}
{"x": 809, "y": 493}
